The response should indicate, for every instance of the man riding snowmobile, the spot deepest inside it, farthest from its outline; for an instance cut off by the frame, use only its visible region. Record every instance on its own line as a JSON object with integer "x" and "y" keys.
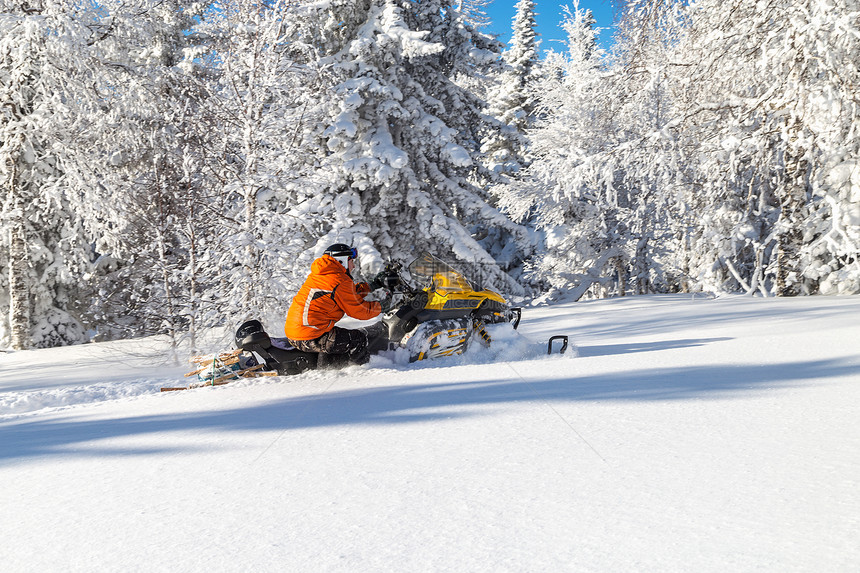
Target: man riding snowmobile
{"x": 438, "y": 312}
{"x": 326, "y": 296}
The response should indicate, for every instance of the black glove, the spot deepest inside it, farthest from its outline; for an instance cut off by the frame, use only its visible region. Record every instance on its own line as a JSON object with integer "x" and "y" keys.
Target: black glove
{"x": 378, "y": 281}
{"x": 392, "y": 280}
{"x": 388, "y": 278}
{"x": 386, "y": 302}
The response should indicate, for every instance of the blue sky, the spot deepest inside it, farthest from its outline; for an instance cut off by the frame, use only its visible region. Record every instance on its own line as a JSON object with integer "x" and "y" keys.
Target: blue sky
{"x": 502, "y": 12}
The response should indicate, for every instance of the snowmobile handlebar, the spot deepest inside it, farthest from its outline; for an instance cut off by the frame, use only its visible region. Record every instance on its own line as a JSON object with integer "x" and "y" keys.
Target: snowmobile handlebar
{"x": 395, "y": 282}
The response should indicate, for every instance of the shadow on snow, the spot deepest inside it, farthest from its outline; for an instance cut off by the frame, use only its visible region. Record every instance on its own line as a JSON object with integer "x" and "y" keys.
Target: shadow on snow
{"x": 592, "y": 350}
{"x": 413, "y": 403}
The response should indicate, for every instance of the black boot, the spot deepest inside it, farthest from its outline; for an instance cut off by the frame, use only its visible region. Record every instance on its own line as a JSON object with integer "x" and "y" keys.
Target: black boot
{"x": 377, "y": 337}
{"x": 332, "y": 361}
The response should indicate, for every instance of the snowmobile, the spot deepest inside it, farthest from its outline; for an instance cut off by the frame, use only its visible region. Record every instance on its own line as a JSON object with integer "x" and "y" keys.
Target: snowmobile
{"x": 445, "y": 312}
{"x": 437, "y": 313}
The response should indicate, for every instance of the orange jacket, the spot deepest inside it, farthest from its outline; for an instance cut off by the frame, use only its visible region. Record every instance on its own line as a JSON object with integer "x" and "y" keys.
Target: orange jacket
{"x": 328, "y": 294}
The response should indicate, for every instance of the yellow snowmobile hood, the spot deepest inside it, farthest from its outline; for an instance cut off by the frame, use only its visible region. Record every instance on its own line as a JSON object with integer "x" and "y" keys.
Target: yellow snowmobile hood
{"x": 445, "y": 294}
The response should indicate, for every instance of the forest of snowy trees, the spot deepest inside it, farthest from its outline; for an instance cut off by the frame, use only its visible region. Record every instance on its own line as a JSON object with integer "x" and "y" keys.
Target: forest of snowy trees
{"x": 169, "y": 166}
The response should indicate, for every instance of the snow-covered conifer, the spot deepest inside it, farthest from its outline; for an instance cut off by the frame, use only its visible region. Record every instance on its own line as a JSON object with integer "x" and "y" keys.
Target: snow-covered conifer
{"x": 398, "y": 160}
{"x": 513, "y": 99}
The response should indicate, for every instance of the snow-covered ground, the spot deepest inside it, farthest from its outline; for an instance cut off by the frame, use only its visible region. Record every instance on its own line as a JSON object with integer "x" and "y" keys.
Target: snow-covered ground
{"x": 685, "y": 434}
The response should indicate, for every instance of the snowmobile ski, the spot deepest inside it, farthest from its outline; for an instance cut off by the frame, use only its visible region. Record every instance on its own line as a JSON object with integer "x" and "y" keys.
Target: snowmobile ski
{"x": 562, "y": 349}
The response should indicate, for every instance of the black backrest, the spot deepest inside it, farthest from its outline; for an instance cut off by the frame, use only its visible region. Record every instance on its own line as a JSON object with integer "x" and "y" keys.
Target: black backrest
{"x": 251, "y": 336}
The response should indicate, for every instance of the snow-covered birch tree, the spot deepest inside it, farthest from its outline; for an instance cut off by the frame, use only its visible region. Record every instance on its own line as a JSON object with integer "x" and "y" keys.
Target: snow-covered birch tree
{"x": 258, "y": 107}
{"x": 45, "y": 253}
{"x": 132, "y": 159}
{"x": 572, "y": 180}
{"x": 770, "y": 98}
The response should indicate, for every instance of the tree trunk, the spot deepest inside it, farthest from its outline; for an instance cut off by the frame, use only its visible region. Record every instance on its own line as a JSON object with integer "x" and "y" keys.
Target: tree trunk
{"x": 251, "y": 251}
{"x": 790, "y": 237}
{"x": 193, "y": 306}
{"x": 161, "y": 226}
{"x": 640, "y": 268}
{"x": 622, "y": 276}
{"x": 787, "y": 256}
{"x": 19, "y": 279}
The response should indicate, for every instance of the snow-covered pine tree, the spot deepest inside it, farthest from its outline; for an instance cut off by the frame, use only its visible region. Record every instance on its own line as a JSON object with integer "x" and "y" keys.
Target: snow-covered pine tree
{"x": 513, "y": 99}
{"x": 512, "y": 104}
{"x": 398, "y": 159}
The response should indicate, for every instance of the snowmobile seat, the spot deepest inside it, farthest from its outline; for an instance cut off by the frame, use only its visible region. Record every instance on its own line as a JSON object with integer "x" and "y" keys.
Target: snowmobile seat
{"x": 282, "y": 343}
{"x": 286, "y": 362}
{"x": 278, "y": 354}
